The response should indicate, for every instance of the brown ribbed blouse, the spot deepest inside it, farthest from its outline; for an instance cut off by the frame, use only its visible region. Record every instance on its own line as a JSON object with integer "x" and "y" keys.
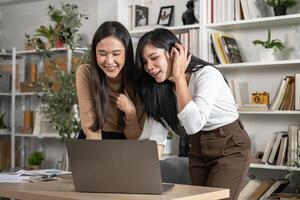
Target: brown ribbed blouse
{"x": 133, "y": 128}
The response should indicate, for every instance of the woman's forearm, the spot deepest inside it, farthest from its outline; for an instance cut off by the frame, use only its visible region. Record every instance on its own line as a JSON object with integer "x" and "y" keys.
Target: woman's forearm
{"x": 182, "y": 93}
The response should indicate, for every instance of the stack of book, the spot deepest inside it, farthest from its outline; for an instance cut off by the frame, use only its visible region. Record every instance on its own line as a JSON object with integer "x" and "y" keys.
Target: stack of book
{"x": 288, "y": 94}
{"x": 190, "y": 39}
{"x": 220, "y": 11}
{"x": 283, "y": 147}
{"x": 257, "y": 189}
{"x": 224, "y": 49}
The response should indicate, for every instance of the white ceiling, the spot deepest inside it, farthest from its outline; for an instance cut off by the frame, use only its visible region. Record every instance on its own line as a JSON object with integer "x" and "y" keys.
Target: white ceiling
{"x": 12, "y": 2}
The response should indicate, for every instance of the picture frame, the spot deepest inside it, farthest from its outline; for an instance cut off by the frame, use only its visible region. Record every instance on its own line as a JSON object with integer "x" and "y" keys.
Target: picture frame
{"x": 165, "y": 15}
{"x": 141, "y": 15}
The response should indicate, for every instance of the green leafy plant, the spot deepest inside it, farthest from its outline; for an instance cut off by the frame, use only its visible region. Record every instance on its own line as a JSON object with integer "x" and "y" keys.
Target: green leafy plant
{"x": 66, "y": 22}
{"x": 269, "y": 43}
{"x": 279, "y": 3}
{"x": 2, "y": 123}
{"x": 46, "y": 32}
{"x": 60, "y": 102}
{"x": 291, "y": 173}
{"x": 35, "y": 158}
{"x": 170, "y": 135}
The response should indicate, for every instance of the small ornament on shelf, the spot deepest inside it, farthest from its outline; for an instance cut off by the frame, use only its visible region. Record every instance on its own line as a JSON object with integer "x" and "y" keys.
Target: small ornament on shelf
{"x": 188, "y": 17}
{"x": 280, "y": 6}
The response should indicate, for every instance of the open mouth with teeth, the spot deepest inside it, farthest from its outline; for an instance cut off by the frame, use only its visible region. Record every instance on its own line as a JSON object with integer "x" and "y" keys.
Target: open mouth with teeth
{"x": 110, "y": 68}
{"x": 155, "y": 74}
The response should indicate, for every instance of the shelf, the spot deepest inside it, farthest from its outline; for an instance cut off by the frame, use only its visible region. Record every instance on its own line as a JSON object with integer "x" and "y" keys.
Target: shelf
{"x": 255, "y": 65}
{"x": 36, "y": 52}
{"x": 273, "y": 167}
{"x": 141, "y": 31}
{"x": 277, "y": 112}
{"x": 25, "y": 93}
{"x": 2, "y": 134}
{"x": 5, "y": 54}
{"x": 26, "y": 52}
{"x": 45, "y": 135}
{"x": 5, "y": 93}
{"x": 265, "y": 22}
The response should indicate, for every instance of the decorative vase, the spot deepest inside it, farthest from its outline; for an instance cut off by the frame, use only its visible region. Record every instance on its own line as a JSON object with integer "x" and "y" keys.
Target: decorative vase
{"x": 34, "y": 167}
{"x": 59, "y": 43}
{"x": 280, "y": 10}
{"x": 168, "y": 147}
{"x": 268, "y": 55}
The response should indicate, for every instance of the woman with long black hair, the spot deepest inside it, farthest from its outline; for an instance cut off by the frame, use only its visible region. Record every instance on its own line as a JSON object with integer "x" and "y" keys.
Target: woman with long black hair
{"x": 107, "y": 104}
{"x": 191, "y": 97}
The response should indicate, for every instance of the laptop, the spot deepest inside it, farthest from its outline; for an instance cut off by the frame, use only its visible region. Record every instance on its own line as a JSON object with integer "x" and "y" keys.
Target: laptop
{"x": 115, "y": 166}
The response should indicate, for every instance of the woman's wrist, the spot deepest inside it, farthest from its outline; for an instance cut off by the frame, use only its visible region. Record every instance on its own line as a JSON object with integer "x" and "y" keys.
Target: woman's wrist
{"x": 130, "y": 115}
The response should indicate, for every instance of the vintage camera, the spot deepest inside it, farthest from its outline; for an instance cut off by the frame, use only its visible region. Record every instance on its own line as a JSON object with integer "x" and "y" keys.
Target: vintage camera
{"x": 260, "y": 98}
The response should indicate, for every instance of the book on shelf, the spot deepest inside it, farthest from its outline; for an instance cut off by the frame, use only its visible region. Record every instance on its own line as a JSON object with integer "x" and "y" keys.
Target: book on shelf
{"x": 254, "y": 107}
{"x": 268, "y": 148}
{"x": 230, "y": 48}
{"x": 218, "y": 47}
{"x": 298, "y": 145}
{"x": 213, "y": 58}
{"x": 282, "y": 154}
{"x": 275, "y": 148}
{"x": 260, "y": 190}
{"x": 189, "y": 39}
{"x": 285, "y": 96}
{"x": 249, "y": 188}
{"x": 293, "y": 143}
{"x": 277, "y": 186}
{"x": 284, "y": 196}
{"x": 297, "y": 91}
{"x": 219, "y": 11}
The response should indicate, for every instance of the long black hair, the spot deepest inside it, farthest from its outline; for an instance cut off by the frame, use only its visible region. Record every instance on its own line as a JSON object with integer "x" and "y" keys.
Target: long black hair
{"x": 159, "y": 98}
{"x": 98, "y": 77}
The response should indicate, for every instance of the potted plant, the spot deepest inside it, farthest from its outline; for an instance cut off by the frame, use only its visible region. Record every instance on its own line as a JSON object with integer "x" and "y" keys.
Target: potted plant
{"x": 67, "y": 22}
{"x": 168, "y": 147}
{"x": 35, "y": 160}
{"x": 270, "y": 45}
{"x": 280, "y": 6}
{"x": 3, "y": 126}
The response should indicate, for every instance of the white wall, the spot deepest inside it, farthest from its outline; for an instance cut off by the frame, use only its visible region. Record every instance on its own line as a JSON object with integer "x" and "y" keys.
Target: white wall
{"x": 25, "y": 18}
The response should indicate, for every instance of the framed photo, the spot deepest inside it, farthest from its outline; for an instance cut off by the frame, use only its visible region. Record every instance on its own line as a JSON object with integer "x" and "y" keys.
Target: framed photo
{"x": 165, "y": 15}
{"x": 141, "y": 15}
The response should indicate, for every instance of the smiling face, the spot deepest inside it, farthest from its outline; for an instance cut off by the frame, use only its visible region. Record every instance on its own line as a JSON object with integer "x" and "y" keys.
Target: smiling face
{"x": 110, "y": 54}
{"x": 157, "y": 62}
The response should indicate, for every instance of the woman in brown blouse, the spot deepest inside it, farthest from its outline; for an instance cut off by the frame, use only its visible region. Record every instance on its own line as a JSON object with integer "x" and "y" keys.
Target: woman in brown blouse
{"x": 107, "y": 105}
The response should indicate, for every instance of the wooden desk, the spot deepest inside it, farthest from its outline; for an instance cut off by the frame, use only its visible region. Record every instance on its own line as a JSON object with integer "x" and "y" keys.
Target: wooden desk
{"x": 64, "y": 190}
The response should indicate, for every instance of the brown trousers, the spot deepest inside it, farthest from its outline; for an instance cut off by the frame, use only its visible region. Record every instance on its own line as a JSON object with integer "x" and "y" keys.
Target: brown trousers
{"x": 220, "y": 157}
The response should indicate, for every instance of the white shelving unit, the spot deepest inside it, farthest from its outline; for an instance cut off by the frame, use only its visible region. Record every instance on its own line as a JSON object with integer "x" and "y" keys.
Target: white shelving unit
{"x": 263, "y": 76}
{"x": 256, "y": 23}
{"x": 279, "y": 112}
{"x": 140, "y": 32}
{"x": 260, "y": 65}
{"x": 18, "y": 57}
{"x": 273, "y": 167}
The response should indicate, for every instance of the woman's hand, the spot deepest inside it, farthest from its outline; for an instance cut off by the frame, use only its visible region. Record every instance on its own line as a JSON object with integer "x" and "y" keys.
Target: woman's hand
{"x": 124, "y": 103}
{"x": 181, "y": 59}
